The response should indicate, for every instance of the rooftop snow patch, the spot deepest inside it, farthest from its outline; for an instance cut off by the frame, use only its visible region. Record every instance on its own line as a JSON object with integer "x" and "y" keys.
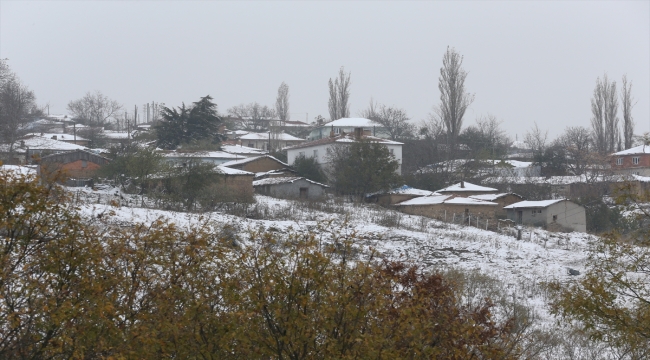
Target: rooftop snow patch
{"x": 265, "y": 136}
{"x": 247, "y": 160}
{"x": 533, "y": 204}
{"x": 283, "y": 180}
{"x": 466, "y": 186}
{"x": 641, "y": 149}
{"x": 444, "y": 199}
{"x": 353, "y": 122}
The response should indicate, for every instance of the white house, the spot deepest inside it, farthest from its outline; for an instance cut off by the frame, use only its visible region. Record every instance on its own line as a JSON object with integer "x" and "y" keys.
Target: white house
{"x": 347, "y": 125}
{"x": 261, "y": 140}
{"x": 319, "y": 149}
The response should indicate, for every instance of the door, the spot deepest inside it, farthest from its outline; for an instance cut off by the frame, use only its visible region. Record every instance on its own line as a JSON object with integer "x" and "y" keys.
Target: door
{"x": 304, "y": 193}
{"x": 520, "y": 216}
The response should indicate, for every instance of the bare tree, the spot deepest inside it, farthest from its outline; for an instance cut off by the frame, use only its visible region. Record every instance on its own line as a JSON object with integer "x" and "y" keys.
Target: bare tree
{"x": 17, "y": 103}
{"x": 94, "y": 109}
{"x": 536, "y": 140}
{"x": 575, "y": 141}
{"x": 256, "y": 117}
{"x": 628, "y": 122}
{"x": 395, "y": 121}
{"x": 604, "y": 121}
{"x": 453, "y": 98}
{"x": 339, "y": 102}
{"x": 282, "y": 102}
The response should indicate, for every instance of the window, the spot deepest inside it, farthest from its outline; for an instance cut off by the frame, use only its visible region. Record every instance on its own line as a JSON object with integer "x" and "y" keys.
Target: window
{"x": 84, "y": 163}
{"x": 251, "y": 145}
{"x": 392, "y": 151}
{"x": 635, "y": 160}
{"x": 554, "y": 217}
{"x": 619, "y": 161}
{"x": 301, "y": 154}
{"x": 337, "y": 131}
{"x": 316, "y": 154}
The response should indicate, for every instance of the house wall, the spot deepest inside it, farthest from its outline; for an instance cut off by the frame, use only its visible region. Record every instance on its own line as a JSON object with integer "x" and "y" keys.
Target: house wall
{"x": 264, "y": 144}
{"x": 207, "y": 160}
{"x": 447, "y": 211}
{"x": 322, "y": 156}
{"x": 291, "y": 190}
{"x": 505, "y": 201}
{"x": 239, "y": 187}
{"x": 628, "y": 167}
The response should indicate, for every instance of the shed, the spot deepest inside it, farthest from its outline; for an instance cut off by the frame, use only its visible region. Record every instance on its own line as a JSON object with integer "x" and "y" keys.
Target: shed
{"x": 290, "y": 187}
{"x": 257, "y": 164}
{"x": 558, "y": 214}
{"x": 449, "y": 207}
{"x": 73, "y": 164}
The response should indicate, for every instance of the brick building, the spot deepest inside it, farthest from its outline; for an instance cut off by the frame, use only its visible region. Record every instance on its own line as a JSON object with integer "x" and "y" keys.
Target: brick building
{"x": 635, "y": 161}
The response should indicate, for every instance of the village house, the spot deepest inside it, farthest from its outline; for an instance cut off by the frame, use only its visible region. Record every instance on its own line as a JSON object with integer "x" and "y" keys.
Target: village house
{"x": 320, "y": 149}
{"x": 633, "y": 161}
{"x": 347, "y": 126}
{"x": 556, "y": 215}
{"x": 290, "y": 187}
{"x": 449, "y": 208}
{"x": 277, "y": 141}
{"x": 78, "y": 164}
{"x": 257, "y": 164}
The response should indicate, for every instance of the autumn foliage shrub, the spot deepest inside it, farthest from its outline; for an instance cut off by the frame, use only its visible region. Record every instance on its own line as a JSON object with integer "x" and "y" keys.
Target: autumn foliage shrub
{"x": 73, "y": 288}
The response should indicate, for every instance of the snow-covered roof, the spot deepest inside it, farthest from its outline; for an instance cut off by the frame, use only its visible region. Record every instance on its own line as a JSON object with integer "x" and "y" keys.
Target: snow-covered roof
{"x": 16, "y": 170}
{"x": 116, "y": 135}
{"x": 238, "y": 149}
{"x": 275, "y": 172}
{"x": 283, "y": 180}
{"x": 641, "y": 149}
{"x": 265, "y": 136}
{"x": 405, "y": 190}
{"x": 231, "y": 171}
{"x": 344, "y": 139}
{"x": 43, "y": 143}
{"x": 533, "y": 204}
{"x": 62, "y": 137}
{"x": 466, "y": 186}
{"x": 444, "y": 199}
{"x": 202, "y": 154}
{"x": 247, "y": 160}
{"x": 490, "y": 197}
{"x": 353, "y": 122}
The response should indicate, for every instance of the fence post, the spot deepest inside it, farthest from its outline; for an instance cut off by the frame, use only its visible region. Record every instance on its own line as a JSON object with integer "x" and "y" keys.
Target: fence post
{"x": 486, "y": 223}
{"x": 454, "y": 220}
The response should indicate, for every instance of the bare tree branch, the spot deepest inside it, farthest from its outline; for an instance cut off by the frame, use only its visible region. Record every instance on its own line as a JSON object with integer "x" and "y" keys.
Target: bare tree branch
{"x": 628, "y": 122}
{"x": 282, "y": 102}
{"x": 339, "y": 101}
{"x": 453, "y": 98}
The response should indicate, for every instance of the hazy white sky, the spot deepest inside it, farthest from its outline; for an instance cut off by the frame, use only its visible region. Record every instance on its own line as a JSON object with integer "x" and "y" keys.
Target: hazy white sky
{"x": 527, "y": 61}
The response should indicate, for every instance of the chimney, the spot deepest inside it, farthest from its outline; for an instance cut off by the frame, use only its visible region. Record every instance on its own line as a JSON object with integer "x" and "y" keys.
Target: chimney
{"x": 462, "y": 184}
{"x": 332, "y": 132}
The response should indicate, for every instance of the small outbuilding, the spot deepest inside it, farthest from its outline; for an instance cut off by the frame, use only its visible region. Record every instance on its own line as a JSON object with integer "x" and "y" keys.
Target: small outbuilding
{"x": 290, "y": 187}
{"x": 558, "y": 214}
{"x": 72, "y": 164}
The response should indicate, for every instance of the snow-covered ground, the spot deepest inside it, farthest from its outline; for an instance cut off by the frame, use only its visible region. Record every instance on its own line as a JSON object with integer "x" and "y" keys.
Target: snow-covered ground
{"x": 520, "y": 265}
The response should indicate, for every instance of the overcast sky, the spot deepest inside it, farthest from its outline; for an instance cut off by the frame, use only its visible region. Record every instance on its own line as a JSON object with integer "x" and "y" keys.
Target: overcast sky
{"x": 527, "y": 61}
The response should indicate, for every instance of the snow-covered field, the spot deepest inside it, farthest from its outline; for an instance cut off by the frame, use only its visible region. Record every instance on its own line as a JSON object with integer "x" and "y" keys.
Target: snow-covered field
{"x": 521, "y": 266}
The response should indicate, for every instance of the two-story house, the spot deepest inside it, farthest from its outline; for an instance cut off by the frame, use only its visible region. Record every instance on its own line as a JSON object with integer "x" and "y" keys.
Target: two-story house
{"x": 635, "y": 161}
